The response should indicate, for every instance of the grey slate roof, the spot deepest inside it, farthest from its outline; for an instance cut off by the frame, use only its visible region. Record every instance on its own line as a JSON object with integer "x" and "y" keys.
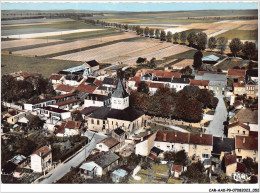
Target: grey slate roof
{"x": 97, "y": 97}
{"x": 90, "y": 80}
{"x": 109, "y": 81}
{"x": 120, "y": 91}
{"x": 128, "y": 114}
{"x": 223, "y": 145}
{"x": 100, "y": 113}
{"x": 180, "y": 80}
{"x": 92, "y": 63}
{"x": 119, "y": 131}
{"x": 162, "y": 79}
{"x": 105, "y": 159}
{"x": 212, "y": 77}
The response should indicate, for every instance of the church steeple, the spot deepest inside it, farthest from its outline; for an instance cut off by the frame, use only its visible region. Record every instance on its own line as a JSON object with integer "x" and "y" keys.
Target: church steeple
{"x": 120, "y": 98}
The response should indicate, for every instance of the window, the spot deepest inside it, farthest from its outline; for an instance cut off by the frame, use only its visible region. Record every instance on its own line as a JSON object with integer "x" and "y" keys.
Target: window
{"x": 92, "y": 121}
{"x": 168, "y": 146}
{"x": 239, "y": 150}
{"x": 98, "y": 122}
{"x": 100, "y": 145}
{"x": 205, "y": 155}
{"x": 244, "y": 132}
{"x": 237, "y": 131}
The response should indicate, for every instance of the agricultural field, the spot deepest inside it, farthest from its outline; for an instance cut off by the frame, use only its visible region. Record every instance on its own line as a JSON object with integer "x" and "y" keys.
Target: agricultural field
{"x": 241, "y": 34}
{"x": 68, "y": 46}
{"x": 23, "y": 22}
{"x": 46, "y": 67}
{"x": 182, "y": 64}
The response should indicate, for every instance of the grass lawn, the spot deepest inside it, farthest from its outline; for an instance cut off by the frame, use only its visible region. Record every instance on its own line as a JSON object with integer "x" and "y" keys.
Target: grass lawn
{"x": 174, "y": 181}
{"x": 185, "y": 55}
{"x": 84, "y": 35}
{"x": 46, "y": 67}
{"x": 57, "y": 25}
{"x": 241, "y": 34}
{"x": 227, "y": 64}
{"x": 159, "y": 168}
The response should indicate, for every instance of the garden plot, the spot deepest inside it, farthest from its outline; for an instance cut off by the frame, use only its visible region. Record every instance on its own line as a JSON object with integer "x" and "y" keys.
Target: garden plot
{"x": 44, "y": 34}
{"x": 24, "y": 42}
{"x": 47, "y": 50}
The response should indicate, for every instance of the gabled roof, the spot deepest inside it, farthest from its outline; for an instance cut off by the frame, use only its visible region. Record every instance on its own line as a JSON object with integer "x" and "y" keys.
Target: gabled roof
{"x": 63, "y": 96}
{"x": 62, "y": 103}
{"x": 237, "y": 84}
{"x": 89, "y": 166}
{"x": 128, "y": 114}
{"x": 42, "y": 151}
{"x": 56, "y": 76}
{"x": 98, "y": 82}
{"x": 162, "y": 79}
{"x": 73, "y": 124}
{"x": 97, "y": 97}
{"x": 53, "y": 109}
{"x": 223, "y": 145}
{"x": 39, "y": 101}
{"x": 109, "y": 81}
{"x": 180, "y": 80}
{"x": 73, "y": 77}
{"x": 86, "y": 88}
{"x": 238, "y": 123}
{"x": 119, "y": 131}
{"x": 100, "y": 113}
{"x": 90, "y": 80}
{"x": 155, "y": 85}
{"x": 105, "y": 159}
{"x": 246, "y": 116}
{"x": 200, "y": 139}
{"x": 110, "y": 142}
{"x": 199, "y": 82}
{"x": 18, "y": 159}
{"x": 229, "y": 159}
{"x": 92, "y": 63}
{"x": 237, "y": 72}
{"x": 156, "y": 150}
{"x": 88, "y": 110}
{"x": 63, "y": 87}
{"x": 247, "y": 142}
{"x": 212, "y": 58}
{"x": 120, "y": 172}
{"x": 120, "y": 91}
{"x": 176, "y": 168}
{"x": 159, "y": 73}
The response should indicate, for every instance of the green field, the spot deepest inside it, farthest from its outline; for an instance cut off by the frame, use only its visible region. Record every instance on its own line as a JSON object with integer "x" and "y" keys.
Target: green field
{"x": 84, "y": 35}
{"x": 46, "y": 67}
{"x": 241, "y": 34}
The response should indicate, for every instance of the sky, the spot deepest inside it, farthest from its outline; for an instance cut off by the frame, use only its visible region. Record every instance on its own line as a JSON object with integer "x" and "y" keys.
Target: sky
{"x": 130, "y": 6}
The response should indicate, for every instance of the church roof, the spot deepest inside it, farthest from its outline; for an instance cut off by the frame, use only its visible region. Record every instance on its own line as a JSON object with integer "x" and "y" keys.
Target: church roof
{"x": 120, "y": 91}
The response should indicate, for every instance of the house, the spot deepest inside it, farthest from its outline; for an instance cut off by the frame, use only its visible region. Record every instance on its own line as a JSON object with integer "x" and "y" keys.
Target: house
{"x": 14, "y": 119}
{"x": 145, "y": 144}
{"x": 252, "y": 74}
{"x": 247, "y": 116}
{"x": 251, "y": 88}
{"x": 68, "y": 104}
{"x": 177, "y": 170}
{"x": 155, "y": 152}
{"x": 56, "y": 78}
{"x": 108, "y": 144}
{"x": 64, "y": 89}
{"x": 72, "y": 79}
{"x": 103, "y": 90}
{"x": 24, "y": 75}
{"x": 20, "y": 161}
{"x": 153, "y": 87}
{"x": 157, "y": 73}
{"x": 246, "y": 146}
{"x": 90, "y": 80}
{"x": 202, "y": 84}
{"x": 86, "y": 88}
{"x": 119, "y": 134}
{"x": 229, "y": 164}
{"x": 239, "y": 88}
{"x": 99, "y": 164}
{"x": 179, "y": 83}
{"x": 41, "y": 160}
{"x": 106, "y": 119}
{"x": 82, "y": 70}
{"x": 221, "y": 146}
{"x": 64, "y": 97}
{"x": 238, "y": 128}
{"x": 27, "y": 119}
{"x": 118, "y": 175}
{"x": 71, "y": 128}
{"x": 109, "y": 82}
{"x": 210, "y": 59}
{"x": 236, "y": 73}
{"x": 31, "y": 106}
{"x": 53, "y": 113}
{"x": 96, "y": 100}
{"x": 93, "y": 65}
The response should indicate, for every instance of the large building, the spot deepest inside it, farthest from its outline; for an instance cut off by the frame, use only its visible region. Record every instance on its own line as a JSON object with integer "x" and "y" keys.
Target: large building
{"x": 106, "y": 119}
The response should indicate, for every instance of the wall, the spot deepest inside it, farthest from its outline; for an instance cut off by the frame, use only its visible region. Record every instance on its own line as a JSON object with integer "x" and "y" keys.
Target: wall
{"x": 230, "y": 169}
{"x": 167, "y": 146}
{"x": 198, "y": 150}
{"x": 36, "y": 163}
{"x": 119, "y": 103}
{"x": 65, "y": 115}
{"x": 237, "y": 130}
{"x": 88, "y": 103}
{"x": 143, "y": 148}
{"x": 247, "y": 153}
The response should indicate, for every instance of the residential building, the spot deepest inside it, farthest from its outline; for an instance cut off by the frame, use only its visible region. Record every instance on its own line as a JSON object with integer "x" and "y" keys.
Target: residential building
{"x": 90, "y": 170}
{"x": 179, "y": 83}
{"x": 109, "y": 82}
{"x": 68, "y": 104}
{"x": 238, "y": 128}
{"x": 41, "y": 160}
{"x": 222, "y": 146}
{"x": 87, "y": 111}
{"x": 239, "y": 88}
{"x": 53, "y": 113}
{"x": 202, "y": 84}
{"x": 210, "y": 59}
{"x": 14, "y": 119}
{"x": 246, "y": 146}
{"x": 86, "y": 88}
{"x": 229, "y": 164}
{"x": 118, "y": 175}
{"x": 108, "y": 144}
{"x": 251, "y": 88}
{"x": 96, "y": 100}
{"x": 70, "y": 128}
{"x": 64, "y": 89}
{"x": 77, "y": 70}
{"x": 93, "y": 65}
{"x": 64, "y": 97}
{"x": 119, "y": 134}
{"x": 31, "y": 106}
{"x": 145, "y": 144}
{"x": 73, "y": 79}
{"x": 23, "y": 75}
{"x": 236, "y": 73}
{"x": 56, "y": 78}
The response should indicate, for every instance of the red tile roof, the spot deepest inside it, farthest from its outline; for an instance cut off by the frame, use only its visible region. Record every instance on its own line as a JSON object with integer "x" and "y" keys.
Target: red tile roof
{"x": 237, "y": 72}
{"x": 180, "y": 137}
{"x": 43, "y": 151}
{"x": 152, "y": 156}
{"x": 98, "y": 82}
{"x": 67, "y": 102}
{"x": 238, "y": 123}
{"x": 199, "y": 82}
{"x": 247, "y": 142}
{"x": 135, "y": 78}
{"x": 60, "y": 128}
{"x": 56, "y": 76}
{"x": 72, "y": 124}
{"x": 237, "y": 84}
{"x": 229, "y": 159}
{"x": 63, "y": 87}
{"x": 86, "y": 88}
{"x": 177, "y": 168}
{"x": 155, "y": 85}
{"x": 27, "y": 75}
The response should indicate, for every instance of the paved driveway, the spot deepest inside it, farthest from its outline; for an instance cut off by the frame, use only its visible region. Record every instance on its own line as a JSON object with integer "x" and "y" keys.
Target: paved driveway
{"x": 216, "y": 126}
{"x": 76, "y": 160}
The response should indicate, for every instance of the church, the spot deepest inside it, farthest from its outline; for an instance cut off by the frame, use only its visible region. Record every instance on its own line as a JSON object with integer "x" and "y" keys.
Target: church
{"x": 106, "y": 119}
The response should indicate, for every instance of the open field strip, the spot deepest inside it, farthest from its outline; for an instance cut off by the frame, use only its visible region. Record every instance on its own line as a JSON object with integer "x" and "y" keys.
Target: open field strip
{"x": 217, "y": 33}
{"x": 210, "y": 31}
{"x": 35, "y": 35}
{"x": 174, "y": 30}
{"x": 182, "y": 64}
{"x": 47, "y": 50}
{"x": 249, "y": 27}
{"x": 27, "y": 22}
{"x": 24, "y": 42}
{"x": 106, "y": 52}
{"x": 166, "y": 63}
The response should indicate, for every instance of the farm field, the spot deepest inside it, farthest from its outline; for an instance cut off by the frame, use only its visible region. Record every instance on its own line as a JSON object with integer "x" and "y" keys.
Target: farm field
{"x": 241, "y": 34}
{"x": 23, "y": 22}
{"x": 59, "y": 48}
{"x": 182, "y": 64}
{"x": 46, "y": 67}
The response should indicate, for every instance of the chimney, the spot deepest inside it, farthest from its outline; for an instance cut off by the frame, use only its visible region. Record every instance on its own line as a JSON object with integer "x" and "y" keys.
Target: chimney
{"x": 164, "y": 136}
{"x": 244, "y": 140}
{"x": 200, "y": 134}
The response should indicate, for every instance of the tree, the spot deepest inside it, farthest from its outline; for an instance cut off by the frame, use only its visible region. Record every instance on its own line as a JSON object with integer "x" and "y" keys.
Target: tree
{"x": 77, "y": 116}
{"x": 180, "y": 158}
{"x": 195, "y": 172}
{"x": 157, "y": 33}
{"x": 141, "y": 31}
{"x": 169, "y": 36}
{"x": 145, "y": 165}
{"x": 143, "y": 87}
{"x": 163, "y": 36}
{"x": 141, "y": 60}
{"x": 192, "y": 38}
{"x": 151, "y": 63}
{"x": 222, "y": 44}
{"x": 249, "y": 49}
{"x": 146, "y": 31}
{"x": 212, "y": 44}
{"x": 197, "y": 59}
{"x": 176, "y": 37}
{"x": 186, "y": 71}
{"x": 223, "y": 179}
{"x": 35, "y": 122}
{"x": 183, "y": 37}
{"x": 151, "y": 32}
{"x": 235, "y": 46}
{"x": 126, "y": 27}
{"x": 169, "y": 155}
{"x": 202, "y": 40}
{"x": 250, "y": 164}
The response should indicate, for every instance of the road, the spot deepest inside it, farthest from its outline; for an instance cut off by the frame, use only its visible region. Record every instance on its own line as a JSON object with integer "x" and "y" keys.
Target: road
{"x": 76, "y": 160}
{"x": 216, "y": 126}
